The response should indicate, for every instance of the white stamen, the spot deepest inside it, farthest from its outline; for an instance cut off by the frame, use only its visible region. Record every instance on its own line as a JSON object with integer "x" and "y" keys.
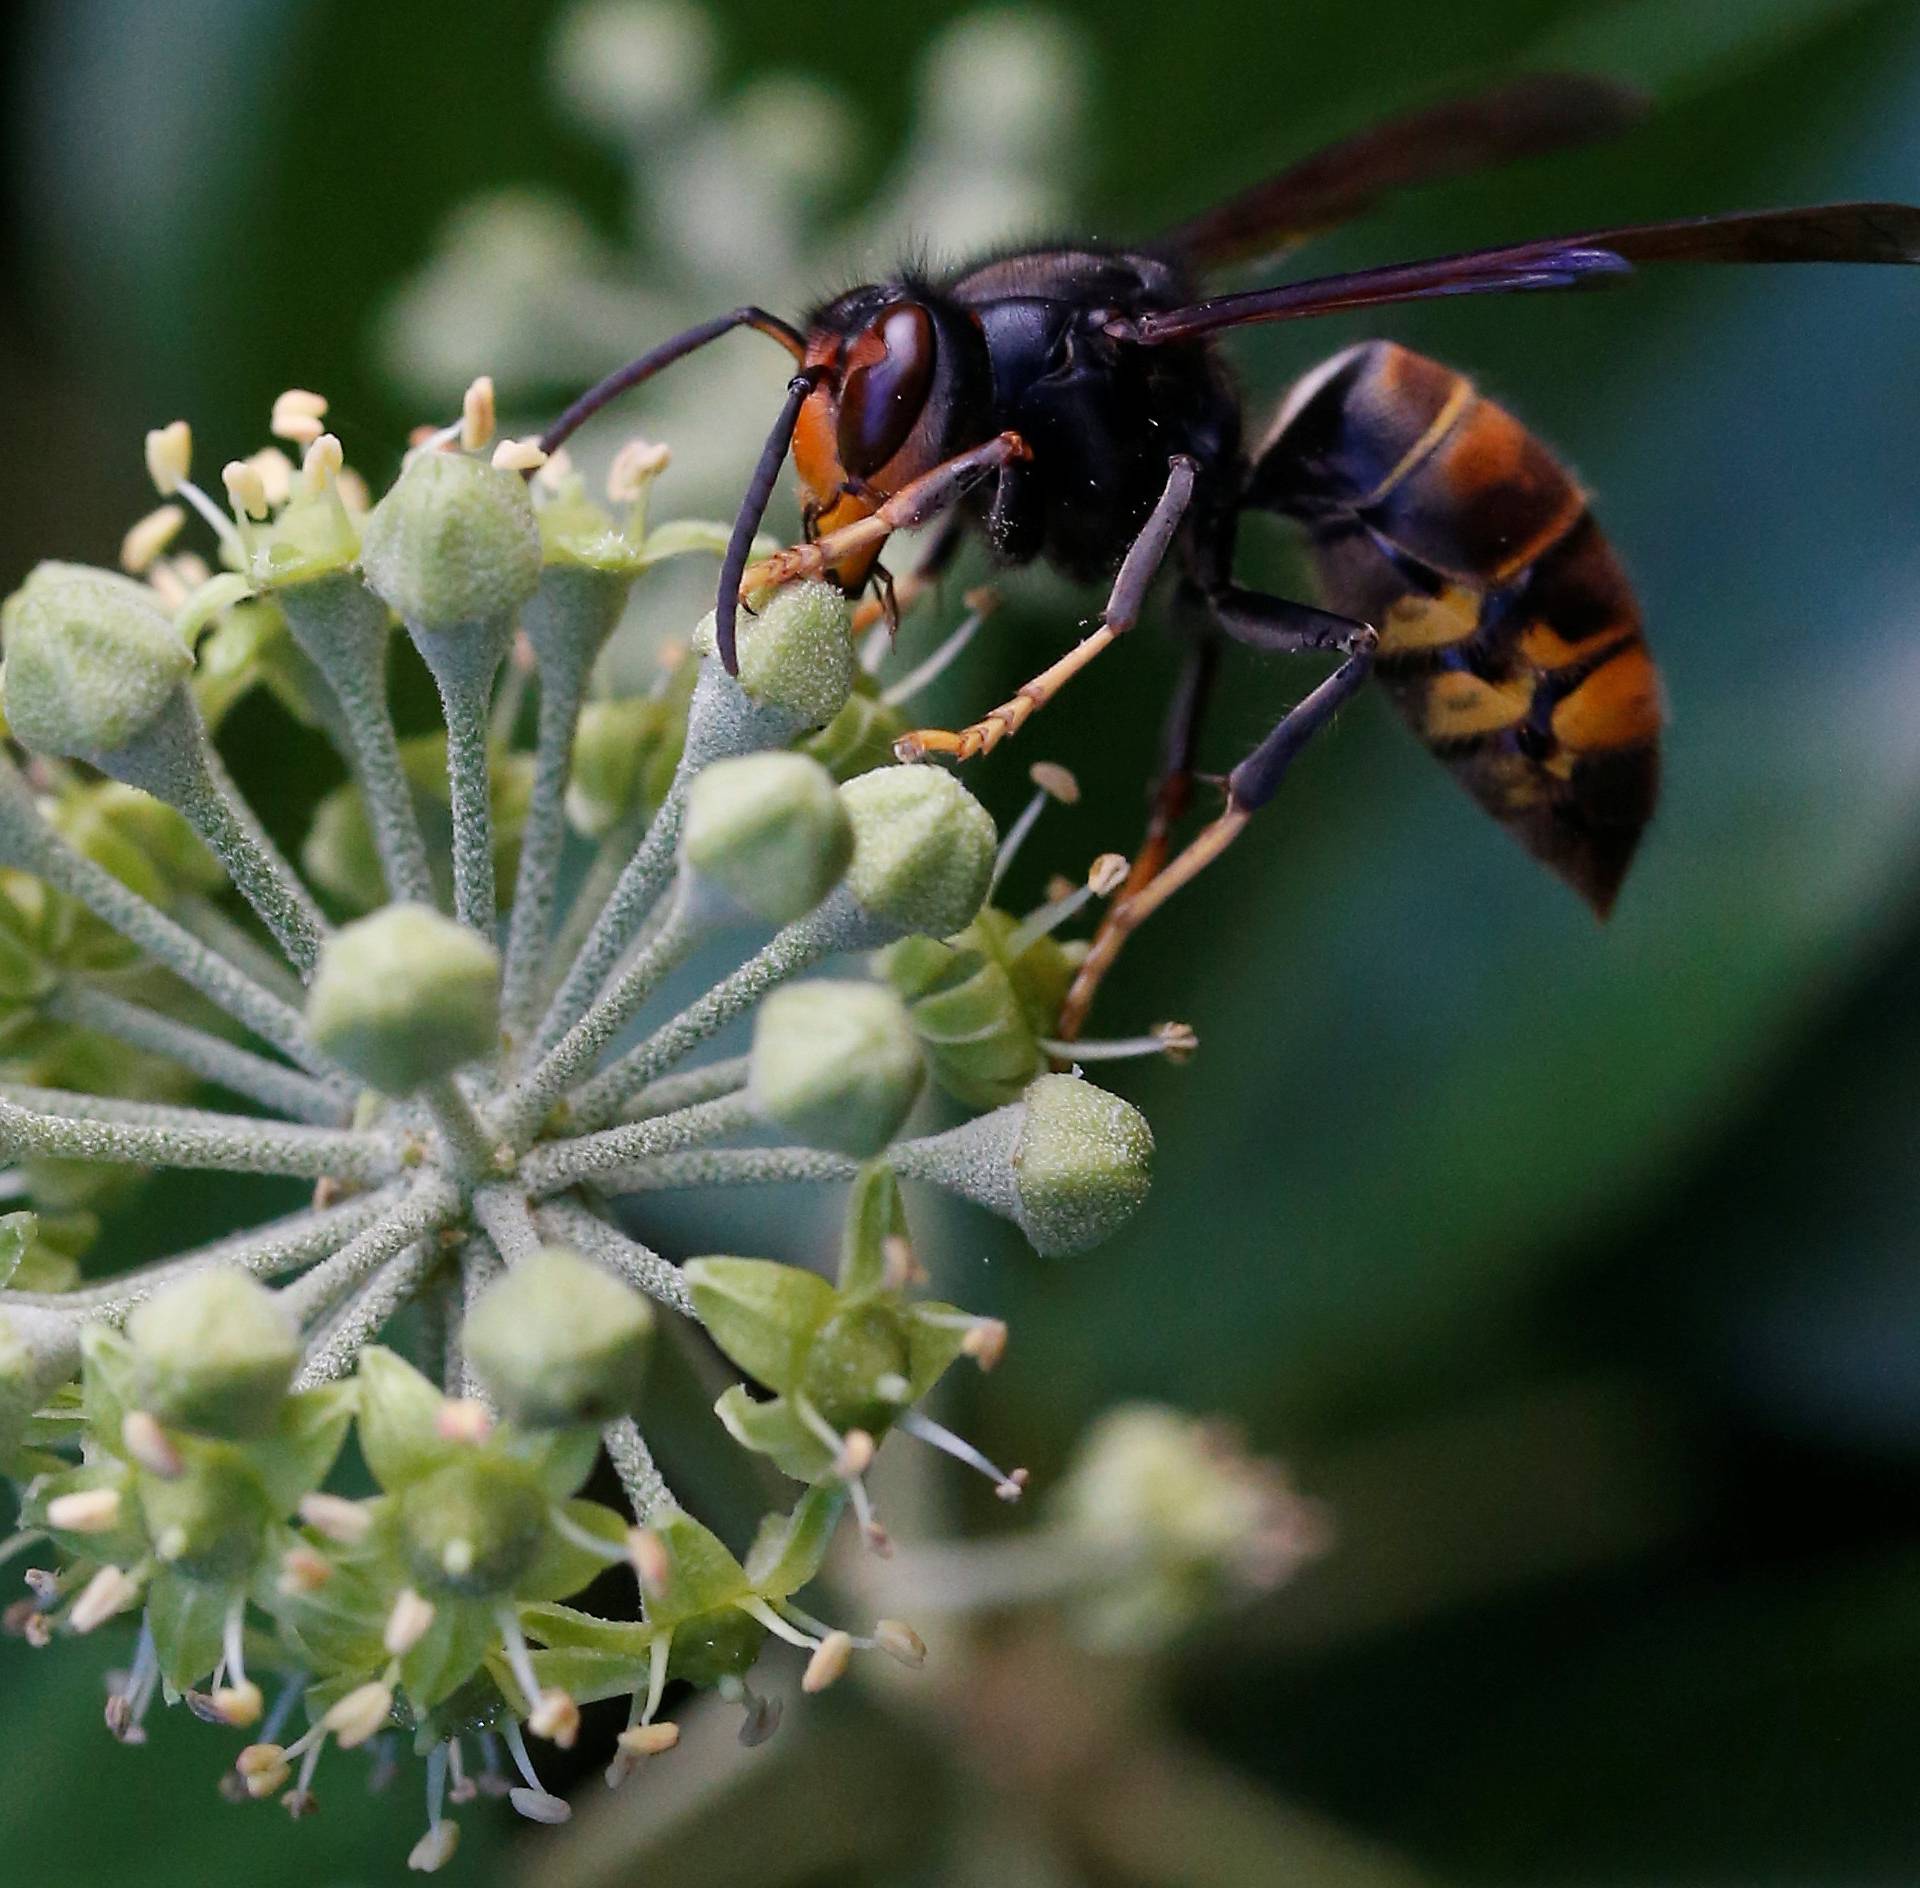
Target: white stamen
{"x": 478, "y": 415}
{"x": 147, "y": 539}
{"x": 169, "y": 457}
{"x": 1006, "y": 1486}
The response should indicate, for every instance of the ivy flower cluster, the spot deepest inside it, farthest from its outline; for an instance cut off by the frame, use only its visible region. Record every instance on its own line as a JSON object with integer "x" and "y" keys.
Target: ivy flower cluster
{"x": 447, "y": 1022}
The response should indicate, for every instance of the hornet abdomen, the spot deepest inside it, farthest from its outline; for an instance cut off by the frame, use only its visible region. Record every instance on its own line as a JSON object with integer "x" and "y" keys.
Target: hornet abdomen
{"x": 1509, "y": 635}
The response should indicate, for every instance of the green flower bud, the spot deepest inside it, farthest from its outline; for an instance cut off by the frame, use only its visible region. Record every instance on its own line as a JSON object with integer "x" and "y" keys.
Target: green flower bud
{"x": 923, "y": 849}
{"x": 1082, "y": 1164}
{"x": 210, "y": 1521}
{"x": 796, "y": 654}
{"x": 767, "y": 832}
{"x": 473, "y": 1527}
{"x": 557, "y": 1341}
{"x": 835, "y": 1064}
{"x": 624, "y": 754}
{"x": 1068, "y": 1163}
{"x": 453, "y": 543}
{"x": 405, "y": 997}
{"x": 92, "y": 661}
{"x": 214, "y": 1353}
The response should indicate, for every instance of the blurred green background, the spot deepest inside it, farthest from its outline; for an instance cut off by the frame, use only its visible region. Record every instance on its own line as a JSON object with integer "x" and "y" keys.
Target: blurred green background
{"x": 1574, "y": 1269}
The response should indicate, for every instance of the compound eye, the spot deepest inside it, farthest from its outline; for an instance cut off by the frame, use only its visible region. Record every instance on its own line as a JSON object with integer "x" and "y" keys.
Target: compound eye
{"x": 889, "y": 374}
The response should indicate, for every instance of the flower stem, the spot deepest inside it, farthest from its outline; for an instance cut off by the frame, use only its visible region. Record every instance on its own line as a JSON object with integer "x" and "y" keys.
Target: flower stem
{"x": 342, "y": 626}
{"x": 426, "y": 1206}
{"x": 799, "y": 947}
{"x": 27, "y": 842}
{"x": 567, "y": 1222}
{"x": 527, "y": 1105}
{"x": 53, "y": 1122}
{"x": 336, "y": 1350}
{"x": 557, "y": 1164}
{"x": 730, "y": 1167}
{"x": 285, "y": 1245}
{"x": 211, "y": 1057}
{"x": 646, "y": 1488}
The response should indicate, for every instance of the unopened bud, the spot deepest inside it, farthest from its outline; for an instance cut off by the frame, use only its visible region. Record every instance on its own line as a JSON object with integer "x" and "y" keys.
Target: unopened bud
{"x": 768, "y": 832}
{"x": 405, "y": 997}
{"x": 923, "y": 849}
{"x": 453, "y": 544}
{"x": 985, "y": 1342}
{"x": 796, "y": 655}
{"x": 303, "y": 1571}
{"x": 92, "y": 661}
{"x": 558, "y": 1341}
{"x": 216, "y": 1353}
{"x": 836, "y": 1064}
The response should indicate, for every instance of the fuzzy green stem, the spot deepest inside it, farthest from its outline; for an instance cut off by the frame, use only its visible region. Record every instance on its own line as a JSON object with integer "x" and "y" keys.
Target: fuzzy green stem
{"x": 725, "y": 1077}
{"x": 343, "y": 628}
{"x": 53, "y": 1122}
{"x": 646, "y": 1488}
{"x": 427, "y": 1206}
{"x": 467, "y": 1139}
{"x": 285, "y": 1245}
{"x": 567, "y": 1222}
{"x": 528, "y": 1103}
{"x": 838, "y": 925}
{"x": 634, "y": 894}
{"x": 557, "y": 1164}
{"x": 28, "y": 843}
{"x": 334, "y": 1352}
{"x": 465, "y": 662}
{"x": 210, "y": 1057}
{"x": 542, "y": 838}
{"x": 206, "y": 921}
{"x": 175, "y": 762}
{"x": 730, "y": 1167}
{"x": 508, "y": 1219}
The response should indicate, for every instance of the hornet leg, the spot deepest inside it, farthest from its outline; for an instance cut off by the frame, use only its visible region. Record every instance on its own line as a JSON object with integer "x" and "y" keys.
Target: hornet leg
{"x": 1249, "y": 787}
{"x": 913, "y": 504}
{"x": 1137, "y": 571}
{"x": 1172, "y": 794}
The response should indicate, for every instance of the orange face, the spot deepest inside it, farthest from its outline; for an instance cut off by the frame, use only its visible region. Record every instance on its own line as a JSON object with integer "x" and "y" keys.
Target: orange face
{"x": 870, "y": 426}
